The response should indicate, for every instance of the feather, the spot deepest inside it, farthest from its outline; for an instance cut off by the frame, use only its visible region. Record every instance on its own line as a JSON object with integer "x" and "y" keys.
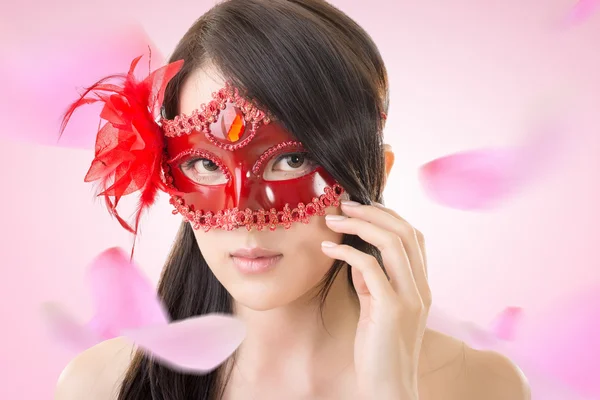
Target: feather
{"x": 129, "y": 146}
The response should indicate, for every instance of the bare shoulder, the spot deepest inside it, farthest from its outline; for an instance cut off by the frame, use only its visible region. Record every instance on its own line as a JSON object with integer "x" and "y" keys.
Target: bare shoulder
{"x": 450, "y": 369}
{"x": 97, "y": 373}
{"x": 493, "y": 376}
{"x": 440, "y": 352}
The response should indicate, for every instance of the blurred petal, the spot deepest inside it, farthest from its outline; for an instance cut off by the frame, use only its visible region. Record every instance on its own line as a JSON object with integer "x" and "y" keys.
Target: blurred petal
{"x": 482, "y": 179}
{"x": 564, "y": 342}
{"x": 66, "y": 330}
{"x": 471, "y": 180}
{"x": 44, "y": 74}
{"x": 546, "y": 387}
{"x": 544, "y": 384}
{"x": 198, "y": 344}
{"x": 505, "y": 324}
{"x": 469, "y": 332}
{"x": 123, "y": 297}
{"x": 579, "y": 13}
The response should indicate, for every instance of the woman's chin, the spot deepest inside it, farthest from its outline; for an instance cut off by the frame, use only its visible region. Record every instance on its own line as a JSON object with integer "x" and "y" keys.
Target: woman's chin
{"x": 263, "y": 299}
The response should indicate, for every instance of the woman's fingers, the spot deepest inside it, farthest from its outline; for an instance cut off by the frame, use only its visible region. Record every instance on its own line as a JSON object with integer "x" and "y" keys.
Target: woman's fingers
{"x": 401, "y": 245}
{"x": 408, "y": 233}
{"x": 374, "y": 277}
{"x": 418, "y": 234}
{"x": 394, "y": 256}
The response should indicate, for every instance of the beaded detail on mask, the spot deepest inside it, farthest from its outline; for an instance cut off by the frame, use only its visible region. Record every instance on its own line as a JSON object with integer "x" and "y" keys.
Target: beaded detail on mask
{"x": 272, "y": 150}
{"x": 201, "y": 119}
{"x": 233, "y": 218}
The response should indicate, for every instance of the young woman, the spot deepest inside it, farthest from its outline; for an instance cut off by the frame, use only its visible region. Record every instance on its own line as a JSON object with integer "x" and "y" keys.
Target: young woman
{"x": 278, "y": 110}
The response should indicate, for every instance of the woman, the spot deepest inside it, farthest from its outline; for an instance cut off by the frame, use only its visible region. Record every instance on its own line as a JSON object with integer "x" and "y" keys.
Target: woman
{"x": 312, "y": 89}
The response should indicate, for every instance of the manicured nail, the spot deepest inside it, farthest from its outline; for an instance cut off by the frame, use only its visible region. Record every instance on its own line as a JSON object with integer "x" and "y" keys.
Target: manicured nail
{"x": 350, "y": 203}
{"x": 377, "y": 204}
{"x": 328, "y": 244}
{"x": 333, "y": 217}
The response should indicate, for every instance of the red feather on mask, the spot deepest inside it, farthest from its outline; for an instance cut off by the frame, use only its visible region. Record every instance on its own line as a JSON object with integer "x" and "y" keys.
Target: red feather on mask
{"x": 129, "y": 147}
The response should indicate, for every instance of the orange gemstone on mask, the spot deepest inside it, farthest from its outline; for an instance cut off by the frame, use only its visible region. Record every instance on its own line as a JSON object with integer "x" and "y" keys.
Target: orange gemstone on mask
{"x": 236, "y": 130}
{"x": 231, "y": 125}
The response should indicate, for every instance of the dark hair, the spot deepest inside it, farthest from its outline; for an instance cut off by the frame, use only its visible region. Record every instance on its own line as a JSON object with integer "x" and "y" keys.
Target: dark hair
{"x": 323, "y": 78}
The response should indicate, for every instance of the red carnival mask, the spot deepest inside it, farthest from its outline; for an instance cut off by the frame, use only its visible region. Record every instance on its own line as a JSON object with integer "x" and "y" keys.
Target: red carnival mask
{"x": 225, "y": 161}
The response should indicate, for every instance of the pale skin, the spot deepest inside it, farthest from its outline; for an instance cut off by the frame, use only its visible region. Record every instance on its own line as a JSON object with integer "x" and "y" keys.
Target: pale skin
{"x": 375, "y": 348}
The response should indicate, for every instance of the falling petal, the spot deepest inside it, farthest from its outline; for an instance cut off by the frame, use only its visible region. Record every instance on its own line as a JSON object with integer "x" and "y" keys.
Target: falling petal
{"x": 44, "y": 76}
{"x": 564, "y": 342}
{"x": 66, "y": 330}
{"x": 544, "y": 384}
{"x": 505, "y": 324}
{"x": 546, "y": 387}
{"x": 127, "y": 305}
{"x": 469, "y": 332}
{"x": 198, "y": 344}
{"x": 579, "y": 13}
{"x": 483, "y": 179}
{"x": 123, "y": 297}
{"x": 471, "y": 180}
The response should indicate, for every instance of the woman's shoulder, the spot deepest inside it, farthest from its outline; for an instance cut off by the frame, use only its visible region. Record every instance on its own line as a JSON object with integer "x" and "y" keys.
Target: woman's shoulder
{"x": 97, "y": 373}
{"x": 493, "y": 376}
{"x": 473, "y": 374}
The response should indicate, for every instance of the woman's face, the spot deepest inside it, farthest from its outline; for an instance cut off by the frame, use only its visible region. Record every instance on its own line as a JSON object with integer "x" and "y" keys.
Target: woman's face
{"x": 294, "y": 263}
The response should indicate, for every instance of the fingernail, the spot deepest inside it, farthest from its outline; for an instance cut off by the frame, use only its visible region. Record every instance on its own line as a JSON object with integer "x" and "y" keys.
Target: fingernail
{"x": 350, "y": 203}
{"x": 334, "y": 217}
{"x": 328, "y": 244}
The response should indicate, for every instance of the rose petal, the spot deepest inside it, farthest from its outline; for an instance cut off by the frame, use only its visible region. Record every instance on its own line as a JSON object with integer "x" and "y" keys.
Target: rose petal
{"x": 123, "y": 297}
{"x": 506, "y": 323}
{"x": 579, "y": 13}
{"x": 471, "y": 180}
{"x": 63, "y": 328}
{"x": 198, "y": 344}
{"x": 483, "y": 179}
{"x": 44, "y": 76}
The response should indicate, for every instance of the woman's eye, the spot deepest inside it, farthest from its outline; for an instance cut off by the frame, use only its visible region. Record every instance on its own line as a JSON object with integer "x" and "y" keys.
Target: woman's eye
{"x": 207, "y": 165}
{"x": 289, "y": 166}
{"x": 290, "y": 162}
{"x": 204, "y": 171}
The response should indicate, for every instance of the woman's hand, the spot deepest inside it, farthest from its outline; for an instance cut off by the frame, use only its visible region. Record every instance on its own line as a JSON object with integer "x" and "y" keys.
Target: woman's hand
{"x": 393, "y": 312}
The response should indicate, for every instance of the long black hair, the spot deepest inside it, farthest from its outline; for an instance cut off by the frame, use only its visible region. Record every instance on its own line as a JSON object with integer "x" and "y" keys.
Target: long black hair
{"x": 323, "y": 78}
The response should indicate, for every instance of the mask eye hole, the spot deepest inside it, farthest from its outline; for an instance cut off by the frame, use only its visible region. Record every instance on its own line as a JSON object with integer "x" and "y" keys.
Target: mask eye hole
{"x": 202, "y": 167}
{"x": 203, "y": 171}
{"x": 286, "y": 160}
{"x": 289, "y": 166}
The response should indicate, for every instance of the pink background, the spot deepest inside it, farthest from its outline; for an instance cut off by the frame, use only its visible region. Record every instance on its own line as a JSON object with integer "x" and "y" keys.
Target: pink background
{"x": 463, "y": 75}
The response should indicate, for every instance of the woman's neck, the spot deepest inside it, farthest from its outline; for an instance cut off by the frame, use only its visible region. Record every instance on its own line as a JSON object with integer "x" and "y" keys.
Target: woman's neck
{"x": 293, "y": 342}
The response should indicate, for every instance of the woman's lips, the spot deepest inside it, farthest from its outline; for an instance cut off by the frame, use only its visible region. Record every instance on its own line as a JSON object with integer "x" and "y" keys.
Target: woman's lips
{"x": 255, "y": 260}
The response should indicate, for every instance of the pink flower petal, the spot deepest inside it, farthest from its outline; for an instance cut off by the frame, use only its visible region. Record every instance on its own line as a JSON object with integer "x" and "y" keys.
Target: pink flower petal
{"x": 198, "y": 344}
{"x": 506, "y": 323}
{"x": 65, "y": 330}
{"x": 44, "y": 75}
{"x": 123, "y": 297}
{"x": 579, "y": 13}
{"x": 564, "y": 342}
{"x": 471, "y": 180}
{"x": 483, "y": 179}
{"x": 469, "y": 332}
